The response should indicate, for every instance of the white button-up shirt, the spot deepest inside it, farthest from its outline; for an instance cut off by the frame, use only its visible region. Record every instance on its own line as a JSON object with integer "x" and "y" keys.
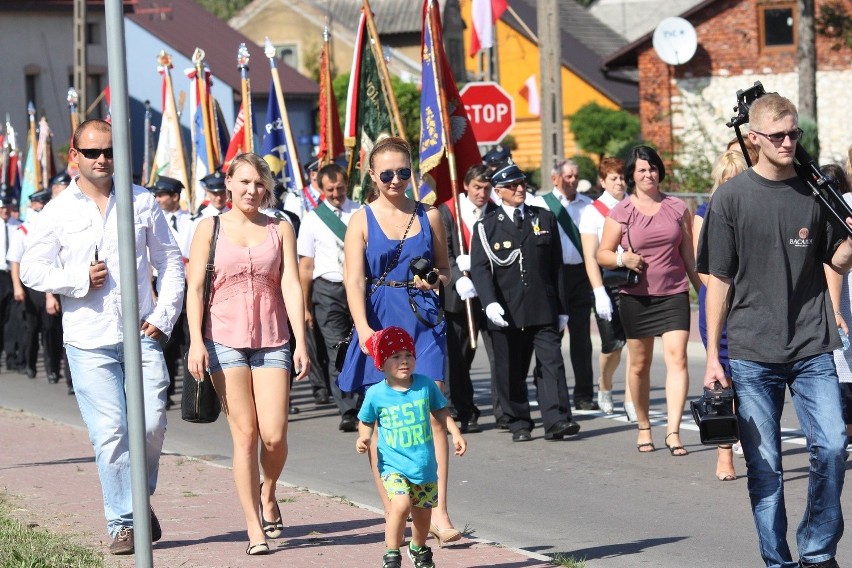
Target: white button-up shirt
{"x": 20, "y": 237}
{"x": 7, "y": 230}
{"x": 62, "y": 248}
{"x": 570, "y": 254}
{"x": 183, "y": 220}
{"x": 318, "y": 241}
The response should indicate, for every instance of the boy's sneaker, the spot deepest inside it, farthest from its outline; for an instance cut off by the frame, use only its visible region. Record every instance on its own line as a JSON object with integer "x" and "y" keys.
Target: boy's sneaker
{"x": 422, "y": 558}
{"x": 392, "y": 559}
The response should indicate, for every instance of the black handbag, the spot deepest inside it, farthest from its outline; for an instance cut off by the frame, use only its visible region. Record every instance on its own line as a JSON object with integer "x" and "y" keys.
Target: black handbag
{"x": 343, "y": 346}
{"x": 621, "y": 277}
{"x": 199, "y": 402}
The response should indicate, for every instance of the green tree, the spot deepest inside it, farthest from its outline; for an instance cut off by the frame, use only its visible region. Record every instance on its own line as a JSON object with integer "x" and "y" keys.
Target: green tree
{"x": 223, "y": 9}
{"x": 601, "y": 131}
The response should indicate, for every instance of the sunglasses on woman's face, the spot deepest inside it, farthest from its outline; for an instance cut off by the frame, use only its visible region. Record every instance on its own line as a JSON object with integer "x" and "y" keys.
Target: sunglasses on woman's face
{"x": 94, "y": 153}
{"x": 402, "y": 173}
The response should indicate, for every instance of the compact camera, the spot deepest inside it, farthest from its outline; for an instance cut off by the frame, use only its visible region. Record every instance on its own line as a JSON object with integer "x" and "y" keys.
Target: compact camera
{"x": 422, "y": 267}
{"x": 715, "y": 417}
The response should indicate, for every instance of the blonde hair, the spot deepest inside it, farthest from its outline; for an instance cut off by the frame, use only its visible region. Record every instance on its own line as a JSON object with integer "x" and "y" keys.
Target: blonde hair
{"x": 772, "y": 107}
{"x": 390, "y": 144}
{"x": 729, "y": 164}
{"x": 262, "y": 169}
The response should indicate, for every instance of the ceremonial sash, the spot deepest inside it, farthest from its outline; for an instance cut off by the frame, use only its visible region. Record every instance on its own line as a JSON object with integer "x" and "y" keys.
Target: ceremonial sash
{"x": 602, "y": 209}
{"x": 332, "y": 221}
{"x": 565, "y": 221}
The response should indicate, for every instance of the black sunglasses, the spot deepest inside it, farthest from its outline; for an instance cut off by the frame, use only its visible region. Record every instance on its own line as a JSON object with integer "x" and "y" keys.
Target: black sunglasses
{"x": 402, "y": 173}
{"x": 778, "y": 137}
{"x": 94, "y": 153}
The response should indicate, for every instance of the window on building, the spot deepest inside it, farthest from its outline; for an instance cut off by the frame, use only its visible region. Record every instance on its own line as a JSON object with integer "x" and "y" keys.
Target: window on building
{"x": 93, "y": 33}
{"x": 31, "y": 88}
{"x": 777, "y": 26}
{"x": 288, "y": 53}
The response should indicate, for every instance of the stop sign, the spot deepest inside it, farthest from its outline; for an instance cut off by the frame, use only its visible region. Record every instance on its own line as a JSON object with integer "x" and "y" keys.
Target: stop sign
{"x": 490, "y": 109}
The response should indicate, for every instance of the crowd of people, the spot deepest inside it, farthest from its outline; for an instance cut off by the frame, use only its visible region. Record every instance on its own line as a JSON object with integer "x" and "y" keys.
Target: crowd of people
{"x": 380, "y": 307}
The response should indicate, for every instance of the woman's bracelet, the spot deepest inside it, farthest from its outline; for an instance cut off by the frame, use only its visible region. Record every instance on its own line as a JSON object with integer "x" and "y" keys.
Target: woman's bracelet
{"x": 837, "y": 313}
{"x": 619, "y": 261}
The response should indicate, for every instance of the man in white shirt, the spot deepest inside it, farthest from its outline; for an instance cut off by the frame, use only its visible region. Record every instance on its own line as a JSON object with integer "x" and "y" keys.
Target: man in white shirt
{"x": 303, "y": 202}
{"x": 74, "y": 253}
{"x": 8, "y": 333}
{"x": 320, "y": 248}
{"x": 568, "y": 205}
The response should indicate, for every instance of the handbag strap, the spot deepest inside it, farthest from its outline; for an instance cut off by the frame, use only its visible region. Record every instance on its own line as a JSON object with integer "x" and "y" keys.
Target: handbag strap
{"x": 208, "y": 275}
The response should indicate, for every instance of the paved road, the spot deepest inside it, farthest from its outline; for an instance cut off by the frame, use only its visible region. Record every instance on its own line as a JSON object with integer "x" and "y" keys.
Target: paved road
{"x": 593, "y": 496}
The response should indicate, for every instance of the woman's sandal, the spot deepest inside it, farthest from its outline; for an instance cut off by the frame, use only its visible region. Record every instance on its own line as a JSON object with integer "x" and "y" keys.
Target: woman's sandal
{"x": 444, "y": 535}
{"x": 258, "y": 549}
{"x": 272, "y": 529}
{"x": 646, "y": 444}
{"x": 673, "y": 449}
{"x": 730, "y": 474}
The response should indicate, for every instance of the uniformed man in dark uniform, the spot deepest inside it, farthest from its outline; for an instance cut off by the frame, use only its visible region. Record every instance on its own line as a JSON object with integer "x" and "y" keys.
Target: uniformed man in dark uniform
{"x": 516, "y": 257}
{"x": 11, "y": 319}
{"x": 473, "y": 205}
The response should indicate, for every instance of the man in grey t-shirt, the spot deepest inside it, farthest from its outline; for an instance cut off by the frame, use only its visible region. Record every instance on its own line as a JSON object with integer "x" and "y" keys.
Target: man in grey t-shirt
{"x": 767, "y": 238}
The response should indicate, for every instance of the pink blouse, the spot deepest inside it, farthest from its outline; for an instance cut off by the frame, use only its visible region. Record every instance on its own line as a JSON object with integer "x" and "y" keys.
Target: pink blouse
{"x": 246, "y": 306}
{"x": 657, "y": 238}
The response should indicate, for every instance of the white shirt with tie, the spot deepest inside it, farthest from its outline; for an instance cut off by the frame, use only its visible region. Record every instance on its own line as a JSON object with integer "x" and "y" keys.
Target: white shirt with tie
{"x": 316, "y": 240}
{"x": 575, "y": 208}
{"x": 180, "y": 223}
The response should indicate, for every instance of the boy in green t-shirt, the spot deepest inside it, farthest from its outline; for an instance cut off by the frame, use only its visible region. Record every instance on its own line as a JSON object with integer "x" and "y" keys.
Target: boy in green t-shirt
{"x": 401, "y": 405}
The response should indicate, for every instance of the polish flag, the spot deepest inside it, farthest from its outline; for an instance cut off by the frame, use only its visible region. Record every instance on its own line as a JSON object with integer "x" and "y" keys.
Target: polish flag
{"x": 530, "y": 93}
{"x": 484, "y": 13}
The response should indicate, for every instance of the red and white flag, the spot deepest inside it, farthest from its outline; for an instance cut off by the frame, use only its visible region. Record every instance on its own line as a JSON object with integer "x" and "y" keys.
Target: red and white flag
{"x": 237, "y": 145}
{"x": 484, "y": 14}
{"x": 530, "y": 93}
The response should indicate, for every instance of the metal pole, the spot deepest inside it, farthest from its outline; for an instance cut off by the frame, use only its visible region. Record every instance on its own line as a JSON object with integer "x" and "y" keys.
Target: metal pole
{"x": 552, "y": 144}
{"x": 129, "y": 294}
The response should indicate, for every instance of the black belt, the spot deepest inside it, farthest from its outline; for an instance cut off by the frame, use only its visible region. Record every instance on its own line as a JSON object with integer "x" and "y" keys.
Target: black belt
{"x": 393, "y": 283}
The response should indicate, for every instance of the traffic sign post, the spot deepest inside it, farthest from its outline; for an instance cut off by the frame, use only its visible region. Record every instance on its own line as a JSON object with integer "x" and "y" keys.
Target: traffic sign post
{"x": 490, "y": 109}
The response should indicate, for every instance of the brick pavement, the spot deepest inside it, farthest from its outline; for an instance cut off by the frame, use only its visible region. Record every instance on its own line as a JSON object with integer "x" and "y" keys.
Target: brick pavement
{"x": 47, "y": 470}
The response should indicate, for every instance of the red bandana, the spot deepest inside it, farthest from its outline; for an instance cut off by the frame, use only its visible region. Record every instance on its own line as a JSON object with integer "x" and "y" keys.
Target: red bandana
{"x": 388, "y": 341}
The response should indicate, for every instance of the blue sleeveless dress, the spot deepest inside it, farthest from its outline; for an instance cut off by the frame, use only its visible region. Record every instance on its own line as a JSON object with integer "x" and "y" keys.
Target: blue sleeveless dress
{"x": 390, "y": 306}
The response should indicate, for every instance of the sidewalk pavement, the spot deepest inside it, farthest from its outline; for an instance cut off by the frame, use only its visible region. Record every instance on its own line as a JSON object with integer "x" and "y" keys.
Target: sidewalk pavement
{"x": 47, "y": 471}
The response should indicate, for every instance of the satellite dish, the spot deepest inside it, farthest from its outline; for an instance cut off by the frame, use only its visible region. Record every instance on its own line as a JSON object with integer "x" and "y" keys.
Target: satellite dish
{"x": 675, "y": 41}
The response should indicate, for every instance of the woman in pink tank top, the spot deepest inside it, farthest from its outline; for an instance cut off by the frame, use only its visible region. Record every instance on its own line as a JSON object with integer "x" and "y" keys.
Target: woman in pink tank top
{"x": 244, "y": 338}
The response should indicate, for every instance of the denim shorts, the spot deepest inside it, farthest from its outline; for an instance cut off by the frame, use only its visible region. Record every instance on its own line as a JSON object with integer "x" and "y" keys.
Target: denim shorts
{"x": 223, "y": 357}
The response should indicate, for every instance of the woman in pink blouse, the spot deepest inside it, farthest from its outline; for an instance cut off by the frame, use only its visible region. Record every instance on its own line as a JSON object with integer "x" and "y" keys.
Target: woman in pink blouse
{"x": 651, "y": 233}
{"x": 244, "y": 340}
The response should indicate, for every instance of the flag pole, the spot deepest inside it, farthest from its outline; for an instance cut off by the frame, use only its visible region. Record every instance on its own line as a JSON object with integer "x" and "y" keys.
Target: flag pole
{"x": 243, "y": 66}
{"x": 384, "y": 76}
{"x": 201, "y": 87}
{"x": 269, "y": 51}
{"x": 147, "y": 169}
{"x": 329, "y": 142}
{"x": 34, "y": 145}
{"x": 447, "y": 132}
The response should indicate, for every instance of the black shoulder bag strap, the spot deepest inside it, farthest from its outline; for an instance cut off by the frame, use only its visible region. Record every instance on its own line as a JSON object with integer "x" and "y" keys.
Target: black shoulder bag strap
{"x": 208, "y": 275}
{"x": 384, "y": 275}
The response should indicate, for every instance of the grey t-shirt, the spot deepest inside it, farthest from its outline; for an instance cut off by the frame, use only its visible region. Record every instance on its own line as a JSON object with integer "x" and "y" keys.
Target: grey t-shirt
{"x": 771, "y": 239}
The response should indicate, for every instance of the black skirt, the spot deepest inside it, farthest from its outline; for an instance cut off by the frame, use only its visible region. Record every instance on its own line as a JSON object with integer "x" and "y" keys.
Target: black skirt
{"x": 652, "y": 316}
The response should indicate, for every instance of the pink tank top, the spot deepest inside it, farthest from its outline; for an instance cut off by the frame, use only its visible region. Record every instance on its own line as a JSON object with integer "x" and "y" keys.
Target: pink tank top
{"x": 246, "y": 306}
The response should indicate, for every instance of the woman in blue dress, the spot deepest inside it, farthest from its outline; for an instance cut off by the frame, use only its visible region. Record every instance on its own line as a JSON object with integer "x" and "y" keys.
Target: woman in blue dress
{"x": 401, "y": 297}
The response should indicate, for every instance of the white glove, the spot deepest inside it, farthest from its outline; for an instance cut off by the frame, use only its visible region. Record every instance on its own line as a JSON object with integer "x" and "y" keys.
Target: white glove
{"x": 563, "y": 322}
{"x": 465, "y": 288}
{"x": 495, "y": 313}
{"x": 603, "y": 305}
{"x": 463, "y": 262}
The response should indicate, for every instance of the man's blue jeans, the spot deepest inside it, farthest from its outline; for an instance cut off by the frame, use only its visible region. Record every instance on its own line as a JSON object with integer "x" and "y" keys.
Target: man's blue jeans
{"x": 761, "y": 388}
{"x": 99, "y": 386}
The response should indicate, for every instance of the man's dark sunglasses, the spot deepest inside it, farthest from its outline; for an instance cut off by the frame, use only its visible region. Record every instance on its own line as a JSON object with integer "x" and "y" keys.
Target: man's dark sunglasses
{"x": 402, "y": 173}
{"x": 778, "y": 137}
{"x": 94, "y": 153}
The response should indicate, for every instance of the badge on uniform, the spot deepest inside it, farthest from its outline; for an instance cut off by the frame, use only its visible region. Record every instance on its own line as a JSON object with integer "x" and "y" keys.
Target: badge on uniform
{"x": 500, "y": 217}
{"x": 507, "y": 244}
{"x": 496, "y": 246}
{"x": 536, "y": 227}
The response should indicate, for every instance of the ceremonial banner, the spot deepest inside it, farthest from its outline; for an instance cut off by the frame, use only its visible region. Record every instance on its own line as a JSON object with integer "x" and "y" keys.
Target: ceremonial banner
{"x": 170, "y": 156}
{"x": 237, "y": 145}
{"x": 368, "y": 114}
{"x": 28, "y": 182}
{"x": 331, "y": 137}
{"x": 274, "y": 148}
{"x": 441, "y": 144}
{"x": 203, "y": 133}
